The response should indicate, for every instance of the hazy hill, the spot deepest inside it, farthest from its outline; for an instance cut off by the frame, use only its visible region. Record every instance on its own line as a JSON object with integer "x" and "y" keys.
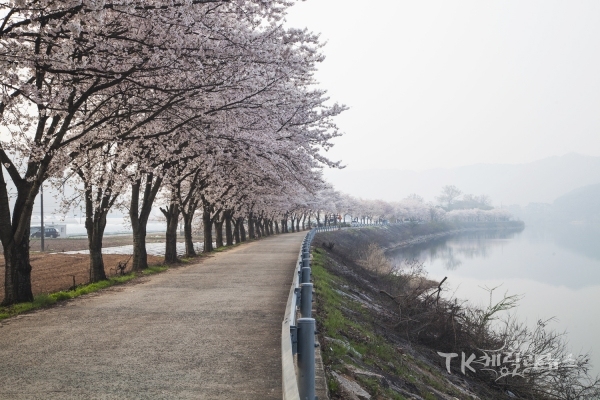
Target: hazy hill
{"x": 581, "y": 204}
{"x": 539, "y": 181}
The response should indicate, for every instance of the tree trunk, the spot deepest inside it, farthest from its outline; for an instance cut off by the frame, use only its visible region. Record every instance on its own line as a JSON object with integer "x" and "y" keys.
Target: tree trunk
{"x": 219, "y": 231}
{"x": 95, "y": 225}
{"x": 236, "y": 230}
{"x": 139, "y": 250}
{"x": 207, "y": 227}
{"x": 228, "y": 228}
{"x": 257, "y": 228}
{"x": 15, "y": 241}
{"x": 264, "y": 229}
{"x": 96, "y": 262}
{"x": 276, "y": 226}
{"x": 298, "y": 224}
{"x": 140, "y": 257}
{"x": 303, "y": 222}
{"x": 242, "y": 229}
{"x": 172, "y": 215}
{"x": 139, "y": 218}
{"x": 251, "y": 226}
{"x": 271, "y": 231}
{"x": 188, "y": 234}
{"x": 17, "y": 274}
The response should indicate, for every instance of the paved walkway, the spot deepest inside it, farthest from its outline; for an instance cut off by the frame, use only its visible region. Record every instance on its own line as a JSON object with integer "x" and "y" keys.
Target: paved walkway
{"x": 205, "y": 331}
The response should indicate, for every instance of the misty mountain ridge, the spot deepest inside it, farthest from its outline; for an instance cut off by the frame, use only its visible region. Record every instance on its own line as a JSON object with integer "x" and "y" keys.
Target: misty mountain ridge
{"x": 540, "y": 181}
{"x": 581, "y": 204}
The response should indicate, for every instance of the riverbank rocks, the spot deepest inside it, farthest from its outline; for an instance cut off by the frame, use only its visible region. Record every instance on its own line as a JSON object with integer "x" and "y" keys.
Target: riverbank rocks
{"x": 350, "y": 389}
{"x": 358, "y": 372}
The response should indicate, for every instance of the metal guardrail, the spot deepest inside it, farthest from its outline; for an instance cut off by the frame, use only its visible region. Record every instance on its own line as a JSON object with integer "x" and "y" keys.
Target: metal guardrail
{"x": 327, "y": 228}
{"x": 298, "y": 334}
{"x": 289, "y": 381}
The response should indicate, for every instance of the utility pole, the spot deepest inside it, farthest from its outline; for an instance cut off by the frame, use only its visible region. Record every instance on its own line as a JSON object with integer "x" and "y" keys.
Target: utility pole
{"x": 43, "y": 233}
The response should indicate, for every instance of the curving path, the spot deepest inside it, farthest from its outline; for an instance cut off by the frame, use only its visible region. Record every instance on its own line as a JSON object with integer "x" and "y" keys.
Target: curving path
{"x": 205, "y": 331}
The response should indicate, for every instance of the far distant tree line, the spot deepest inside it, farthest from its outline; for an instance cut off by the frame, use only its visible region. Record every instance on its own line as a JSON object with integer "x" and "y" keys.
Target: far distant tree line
{"x": 451, "y": 204}
{"x": 452, "y": 198}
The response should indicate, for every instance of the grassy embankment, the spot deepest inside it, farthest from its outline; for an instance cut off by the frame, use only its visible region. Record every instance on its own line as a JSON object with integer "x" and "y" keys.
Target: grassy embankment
{"x": 348, "y": 343}
{"x": 356, "y": 347}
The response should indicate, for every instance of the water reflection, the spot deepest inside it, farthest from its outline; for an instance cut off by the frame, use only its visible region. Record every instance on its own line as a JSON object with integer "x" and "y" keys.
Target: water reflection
{"x": 467, "y": 245}
{"x": 581, "y": 239}
{"x": 451, "y": 262}
{"x": 548, "y": 255}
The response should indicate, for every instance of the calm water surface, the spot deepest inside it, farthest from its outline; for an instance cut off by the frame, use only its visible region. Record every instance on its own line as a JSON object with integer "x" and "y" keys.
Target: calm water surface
{"x": 555, "y": 268}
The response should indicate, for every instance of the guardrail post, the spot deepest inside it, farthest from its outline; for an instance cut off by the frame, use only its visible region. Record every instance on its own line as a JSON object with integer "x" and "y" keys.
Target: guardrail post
{"x": 305, "y": 260}
{"x": 306, "y": 358}
{"x": 306, "y": 300}
{"x": 305, "y": 277}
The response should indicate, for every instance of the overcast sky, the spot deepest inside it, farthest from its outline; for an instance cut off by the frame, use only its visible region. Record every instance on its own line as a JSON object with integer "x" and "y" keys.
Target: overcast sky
{"x": 448, "y": 83}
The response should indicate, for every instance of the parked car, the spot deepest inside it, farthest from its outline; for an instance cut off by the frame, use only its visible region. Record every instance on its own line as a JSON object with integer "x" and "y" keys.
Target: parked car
{"x": 36, "y": 232}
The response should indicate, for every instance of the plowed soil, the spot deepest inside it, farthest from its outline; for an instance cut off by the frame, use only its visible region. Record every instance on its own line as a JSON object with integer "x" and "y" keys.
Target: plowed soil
{"x": 69, "y": 244}
{"x": 54, "y": 272}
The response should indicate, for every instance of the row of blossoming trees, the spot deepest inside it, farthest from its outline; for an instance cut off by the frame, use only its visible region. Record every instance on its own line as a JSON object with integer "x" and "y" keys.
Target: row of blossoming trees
{"x": 200, "y": 105}
{"x": 206, "y": 108}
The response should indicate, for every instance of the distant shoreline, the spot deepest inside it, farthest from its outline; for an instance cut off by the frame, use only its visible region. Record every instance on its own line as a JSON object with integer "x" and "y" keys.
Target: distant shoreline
{"x": 493, "y": 226}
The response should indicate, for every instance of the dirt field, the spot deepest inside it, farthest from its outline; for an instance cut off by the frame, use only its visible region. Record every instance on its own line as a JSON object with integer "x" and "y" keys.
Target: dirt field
{"x": 70, "y": 244}
{"x": 54, "y": 272}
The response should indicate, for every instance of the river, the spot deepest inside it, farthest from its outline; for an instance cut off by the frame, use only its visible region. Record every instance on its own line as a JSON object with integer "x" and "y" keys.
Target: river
{"x": 555, "y": 268}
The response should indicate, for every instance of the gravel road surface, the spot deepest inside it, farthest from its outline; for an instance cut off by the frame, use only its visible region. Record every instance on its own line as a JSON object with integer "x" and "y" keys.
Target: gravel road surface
{"x": 205, "y": 331}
